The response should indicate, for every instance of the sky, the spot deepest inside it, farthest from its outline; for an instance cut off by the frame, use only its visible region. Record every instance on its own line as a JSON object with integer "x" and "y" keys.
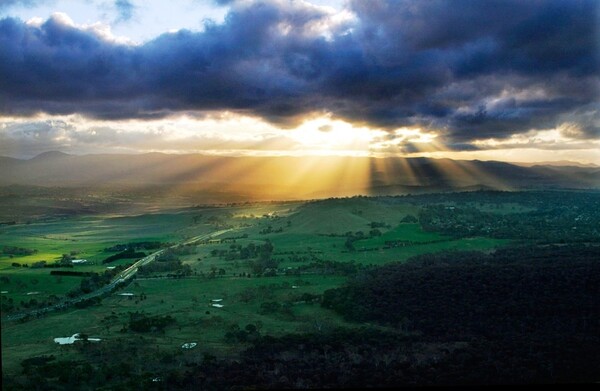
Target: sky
{"x": 507, "y": 80}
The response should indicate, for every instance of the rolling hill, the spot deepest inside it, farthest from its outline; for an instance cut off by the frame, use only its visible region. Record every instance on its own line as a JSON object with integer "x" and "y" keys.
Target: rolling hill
{"x": 260, "y": 178}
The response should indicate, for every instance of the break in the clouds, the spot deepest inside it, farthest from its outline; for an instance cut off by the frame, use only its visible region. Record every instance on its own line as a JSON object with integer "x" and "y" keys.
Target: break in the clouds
{"x": 465, "y": 69}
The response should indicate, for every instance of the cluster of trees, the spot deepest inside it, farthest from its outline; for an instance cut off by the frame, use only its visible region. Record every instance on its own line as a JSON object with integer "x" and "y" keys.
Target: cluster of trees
{"x": 18, "y": 251}
{"x": 379, "y": 224}
{"x": 167, "y": 262}
{"x": 331, "y": 267}
{"x": 269, "y": 230}
{"x": 45, "y": 372}
{"x": 88, "y": 302}
{"x": 9, "y": 305}
{"x": 232, "y": 239}
{"x": 352, "y": 237}
{"x": 142, "y": 323}
{"x": 258, "y": 256}
{"x": 128, "y": 253}
{"x": 65, "y": 259}
{"x": 149, "y": 245}
{"x": 409, "y": 219}
{"x": 250, "y": 333}
{"x": 95, "y": 281}
{"x": 266, "y": 266}
{"x": 300, "y": 258}
{"x": 71, "y": 273}
{"x": 250, "y": 251}
{"x": 173, "y": 268}
{"x": 220, "y": 222}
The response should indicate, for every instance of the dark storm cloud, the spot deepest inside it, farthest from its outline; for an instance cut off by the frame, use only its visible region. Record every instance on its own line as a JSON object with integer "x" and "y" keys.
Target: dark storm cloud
{"x": 471, "y": 69}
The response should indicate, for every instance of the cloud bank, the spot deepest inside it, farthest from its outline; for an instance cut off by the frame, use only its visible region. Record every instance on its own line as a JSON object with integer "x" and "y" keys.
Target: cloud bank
{"x": 469, "y": 70}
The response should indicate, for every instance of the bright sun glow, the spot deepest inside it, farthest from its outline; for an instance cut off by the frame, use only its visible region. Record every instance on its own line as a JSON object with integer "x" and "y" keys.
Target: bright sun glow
{"x": 335, "y": 136}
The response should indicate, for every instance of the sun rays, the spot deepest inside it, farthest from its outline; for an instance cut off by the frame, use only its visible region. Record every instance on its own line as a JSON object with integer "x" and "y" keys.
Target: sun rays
{"x": 227, "y": 152}
{"x": 373, "y": 166}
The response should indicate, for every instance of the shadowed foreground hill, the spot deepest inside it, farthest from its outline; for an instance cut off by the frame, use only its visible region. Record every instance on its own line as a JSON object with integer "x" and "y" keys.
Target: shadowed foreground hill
{"x": 286, "y": 177}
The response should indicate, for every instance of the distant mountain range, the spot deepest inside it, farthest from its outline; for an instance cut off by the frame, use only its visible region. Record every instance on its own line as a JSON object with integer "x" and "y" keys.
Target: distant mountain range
{"x": 558, "y": 163}
{"x": 287, "y": 177}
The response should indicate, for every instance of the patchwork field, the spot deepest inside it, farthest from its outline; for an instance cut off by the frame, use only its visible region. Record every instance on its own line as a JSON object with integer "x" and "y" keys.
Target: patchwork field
{"x": 80, "y": 238}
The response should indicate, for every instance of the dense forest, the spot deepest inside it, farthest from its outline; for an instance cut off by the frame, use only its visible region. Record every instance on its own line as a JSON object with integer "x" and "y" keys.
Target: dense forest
{"x": 551, "y": 290}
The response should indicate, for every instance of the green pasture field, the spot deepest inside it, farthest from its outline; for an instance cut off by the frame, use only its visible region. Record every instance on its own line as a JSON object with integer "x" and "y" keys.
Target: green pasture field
{"x": 339, "y": 216}
{"x": 88, "y": 235}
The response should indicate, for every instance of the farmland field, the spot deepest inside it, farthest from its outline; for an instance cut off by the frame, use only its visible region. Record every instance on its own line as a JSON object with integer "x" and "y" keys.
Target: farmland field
{"x": 81, "y": 238}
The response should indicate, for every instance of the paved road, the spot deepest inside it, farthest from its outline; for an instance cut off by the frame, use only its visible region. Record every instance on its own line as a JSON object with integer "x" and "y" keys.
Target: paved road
{"x": 123, "y": 277}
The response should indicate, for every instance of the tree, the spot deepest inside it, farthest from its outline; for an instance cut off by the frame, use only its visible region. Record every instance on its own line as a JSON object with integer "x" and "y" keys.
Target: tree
{"x": 375, "y": 232}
